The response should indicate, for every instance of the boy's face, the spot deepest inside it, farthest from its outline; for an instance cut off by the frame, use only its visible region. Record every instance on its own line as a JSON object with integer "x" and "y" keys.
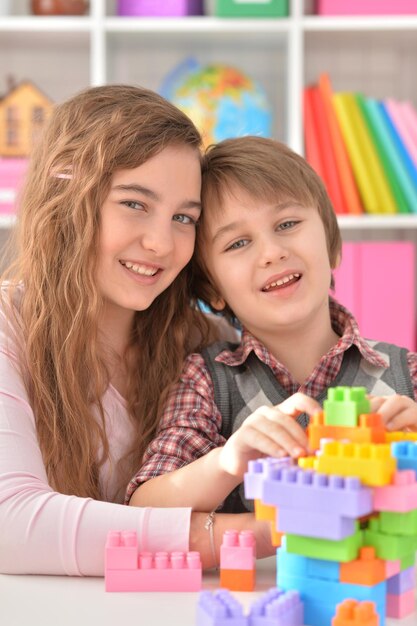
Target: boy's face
{"x": 269, "y": 262}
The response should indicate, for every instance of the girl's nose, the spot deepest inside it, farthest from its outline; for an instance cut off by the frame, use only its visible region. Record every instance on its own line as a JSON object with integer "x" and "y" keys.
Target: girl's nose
{"x": 158, "y": 237}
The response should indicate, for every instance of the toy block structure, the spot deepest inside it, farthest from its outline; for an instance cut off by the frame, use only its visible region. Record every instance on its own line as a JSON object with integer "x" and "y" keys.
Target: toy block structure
{"x": 348, "y": 516}
{"x": 237, "y": 560}
{"x": 274, "y": 608}
{"x": 354, "y": 613}
{"x": 126, "y": 569}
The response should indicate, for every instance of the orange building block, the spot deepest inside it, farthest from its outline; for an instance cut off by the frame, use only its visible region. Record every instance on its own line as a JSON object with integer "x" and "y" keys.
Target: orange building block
{"x": 269, "y": 513}
{"x": 354, "y": 613}
{"x": 366, "y": 570}
{"x": 237, "y": 579}
{"x": 370, "y": 430}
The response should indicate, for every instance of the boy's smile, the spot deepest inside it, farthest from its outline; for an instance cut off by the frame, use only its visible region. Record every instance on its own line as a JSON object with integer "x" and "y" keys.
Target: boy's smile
{"x": 270, "y": 263}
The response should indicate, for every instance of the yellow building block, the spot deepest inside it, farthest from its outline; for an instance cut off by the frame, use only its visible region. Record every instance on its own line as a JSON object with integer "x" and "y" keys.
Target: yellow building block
{"x": 400, "y": 436}
{"x": 372, "y": 463}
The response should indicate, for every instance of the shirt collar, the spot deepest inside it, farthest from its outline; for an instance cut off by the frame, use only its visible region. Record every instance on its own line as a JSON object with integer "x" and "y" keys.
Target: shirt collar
{"x": 343, "y": 323}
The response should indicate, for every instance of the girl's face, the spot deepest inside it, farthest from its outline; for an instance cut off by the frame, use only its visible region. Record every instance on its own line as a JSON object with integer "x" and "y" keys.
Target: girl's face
{"x": 147, "y": 231}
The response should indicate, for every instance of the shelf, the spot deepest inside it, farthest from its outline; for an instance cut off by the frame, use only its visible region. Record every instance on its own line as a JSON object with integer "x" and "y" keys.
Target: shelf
{"x": 45, "y": 24}
{"x": 384, "y": 222}
{"x": 359, "y": 23}
{"x": 193, "y": 25}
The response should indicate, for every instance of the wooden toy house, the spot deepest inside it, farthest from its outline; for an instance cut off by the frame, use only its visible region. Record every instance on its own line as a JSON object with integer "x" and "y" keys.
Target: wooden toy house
{"x": 23, "y": 111}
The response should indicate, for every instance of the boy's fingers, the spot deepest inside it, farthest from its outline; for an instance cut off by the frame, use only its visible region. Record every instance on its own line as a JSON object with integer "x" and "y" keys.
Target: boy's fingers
{"x": 284, "y": 426}
{"x": 299, "y": 403}
{"x": 274, "y": 440}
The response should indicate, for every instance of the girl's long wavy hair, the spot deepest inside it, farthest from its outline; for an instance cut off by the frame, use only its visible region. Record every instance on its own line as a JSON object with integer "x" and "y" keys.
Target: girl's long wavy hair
{"x": 87, "y": 139}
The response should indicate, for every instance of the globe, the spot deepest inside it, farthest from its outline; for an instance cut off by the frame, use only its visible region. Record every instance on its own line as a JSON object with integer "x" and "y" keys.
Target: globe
{"x": 221, "y": 100}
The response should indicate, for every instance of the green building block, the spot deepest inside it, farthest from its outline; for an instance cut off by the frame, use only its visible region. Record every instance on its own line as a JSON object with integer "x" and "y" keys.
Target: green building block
{"x": 343, "y": 550}
{"x": 388, "y": 547}
{"x": 254, "y": 8}
{"x": 408, "y": 561}
{"x": 344, "y": 405}
{"x": 394, "y": 523}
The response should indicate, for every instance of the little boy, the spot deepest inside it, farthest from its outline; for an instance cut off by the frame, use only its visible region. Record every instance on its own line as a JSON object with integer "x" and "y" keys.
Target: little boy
{"x": 266, "y": 246}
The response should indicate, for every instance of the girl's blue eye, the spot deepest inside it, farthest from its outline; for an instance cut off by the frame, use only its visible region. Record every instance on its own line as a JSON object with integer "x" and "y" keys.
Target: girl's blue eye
{"x": 185, "y": 219}
{"x": 240, "y": 243}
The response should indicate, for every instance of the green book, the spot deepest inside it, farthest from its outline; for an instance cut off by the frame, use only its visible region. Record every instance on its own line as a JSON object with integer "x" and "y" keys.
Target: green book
{"x": 256, "y": 8}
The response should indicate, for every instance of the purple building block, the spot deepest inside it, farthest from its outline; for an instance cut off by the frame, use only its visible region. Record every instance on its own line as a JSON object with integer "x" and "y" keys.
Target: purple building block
{"x": 402, "y": 582}
{"x": 259, "y": 470}
{"x": 159, "y": 8}
{"x": 315, "y": 524}
{"x": 277, "y": 608}
{"x": 219, "y": 609}
{"x": 306, "y": 490}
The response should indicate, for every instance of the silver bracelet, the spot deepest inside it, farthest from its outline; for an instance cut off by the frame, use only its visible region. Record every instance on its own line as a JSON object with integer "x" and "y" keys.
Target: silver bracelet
{"x": 209, "y": 525}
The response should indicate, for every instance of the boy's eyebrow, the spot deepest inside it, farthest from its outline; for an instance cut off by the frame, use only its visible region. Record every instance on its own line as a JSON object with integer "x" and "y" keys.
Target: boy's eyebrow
{"x": 135, "y": 188}
{"x": 237, "y": 224}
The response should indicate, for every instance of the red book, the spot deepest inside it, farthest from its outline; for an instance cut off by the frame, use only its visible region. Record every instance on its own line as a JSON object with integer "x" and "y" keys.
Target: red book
{"x": 312, "y": 147}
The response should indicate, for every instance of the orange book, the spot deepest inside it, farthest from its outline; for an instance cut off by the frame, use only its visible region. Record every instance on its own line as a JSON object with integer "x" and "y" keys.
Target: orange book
{"x": 312, "y": 146}
{"x": 349, "y": 188}
{"x": 330, "y": 173}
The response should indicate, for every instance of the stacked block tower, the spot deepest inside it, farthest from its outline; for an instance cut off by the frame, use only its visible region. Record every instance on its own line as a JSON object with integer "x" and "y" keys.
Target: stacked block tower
{"x": 345, "y": 519}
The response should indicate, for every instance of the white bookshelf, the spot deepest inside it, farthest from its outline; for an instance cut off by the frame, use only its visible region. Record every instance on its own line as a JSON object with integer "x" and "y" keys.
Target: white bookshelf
{"x": 376, "y": 55}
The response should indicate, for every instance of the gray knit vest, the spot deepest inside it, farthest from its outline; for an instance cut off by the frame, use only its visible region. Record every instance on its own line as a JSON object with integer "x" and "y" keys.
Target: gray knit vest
{"x": 240, "y": 389}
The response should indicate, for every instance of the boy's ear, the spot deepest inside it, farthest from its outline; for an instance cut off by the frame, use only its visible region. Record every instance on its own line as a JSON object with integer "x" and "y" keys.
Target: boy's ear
{"x": 218, "y": 304}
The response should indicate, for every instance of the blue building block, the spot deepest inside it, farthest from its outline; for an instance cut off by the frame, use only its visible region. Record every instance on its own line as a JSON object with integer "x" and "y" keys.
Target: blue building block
{"x": 277, "y": 608}
{"x": 219, "y": 609}
{"x": 406, "y": 454}
{"x": 305, "y": 566}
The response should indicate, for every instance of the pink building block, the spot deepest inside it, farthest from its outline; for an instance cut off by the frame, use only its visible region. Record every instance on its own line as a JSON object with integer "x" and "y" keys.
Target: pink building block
{"x": 238, "y": 550}
{"x": 366, "y": 7}
{"x": 402, "y": 605}
{"x": 400, "y": 496}
{"x": 392, "y": 568}
{"x": 126, "y": 570}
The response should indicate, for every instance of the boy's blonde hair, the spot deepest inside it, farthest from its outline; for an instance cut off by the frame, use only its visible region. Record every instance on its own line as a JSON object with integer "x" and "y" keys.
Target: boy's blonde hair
{"x": 87, "y": 139}
{"x": 267, "y": 170}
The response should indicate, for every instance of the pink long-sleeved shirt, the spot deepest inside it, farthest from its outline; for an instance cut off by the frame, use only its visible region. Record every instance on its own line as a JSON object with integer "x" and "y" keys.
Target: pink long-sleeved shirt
{"x": 45, "y": 532}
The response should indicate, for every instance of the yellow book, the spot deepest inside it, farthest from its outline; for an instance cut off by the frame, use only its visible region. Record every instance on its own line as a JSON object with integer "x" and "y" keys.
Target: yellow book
{"x": 375, "y": 192}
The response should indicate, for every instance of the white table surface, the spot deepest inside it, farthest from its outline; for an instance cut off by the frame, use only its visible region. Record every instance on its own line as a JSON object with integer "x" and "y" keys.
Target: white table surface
{"x": 73, "y": 601}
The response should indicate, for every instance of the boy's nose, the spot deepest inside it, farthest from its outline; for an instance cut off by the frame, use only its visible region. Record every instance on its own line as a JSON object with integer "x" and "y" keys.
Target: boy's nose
{"x": 272, "y": 251}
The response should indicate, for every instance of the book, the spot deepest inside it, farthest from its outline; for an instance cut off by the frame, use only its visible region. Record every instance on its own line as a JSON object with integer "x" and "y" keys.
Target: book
{"x": 352, "y": 201}
{"x": 312, "y": 147}
{"x": 362, "y": 153}
{"x": 330, "y": 173}
{"x": 399, "y": 118}
{"x": 401, "y": 186}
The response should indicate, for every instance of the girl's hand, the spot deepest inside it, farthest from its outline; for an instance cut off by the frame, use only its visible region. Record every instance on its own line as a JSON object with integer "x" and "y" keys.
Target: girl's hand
{"x": 269, "y": 431}
{"x": 397, "y": 412}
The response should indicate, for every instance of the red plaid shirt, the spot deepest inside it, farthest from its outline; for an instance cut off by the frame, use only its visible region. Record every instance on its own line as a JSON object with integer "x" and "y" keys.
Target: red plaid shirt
{"x": 191, "y": 424}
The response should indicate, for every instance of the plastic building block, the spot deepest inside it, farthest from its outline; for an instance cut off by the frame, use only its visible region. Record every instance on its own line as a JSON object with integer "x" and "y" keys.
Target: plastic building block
{"x": 237, "y": 579}
{"x": 268, "y": 513}
{"x": 366, "y": 570}
{"x": 407, "y": 561}
{"x": 402, "y": 582}
{"x": 388, "y": 546}
{"x": 398, "y": 523}
{"x": 315, "y": 524}
{"x": 277, "y": 608}
{"x": 126, "y": 570}
{"x": 306, "y": 567}
{"x": 402, "y": 605}
{"x": 342, "y": 550}
{"x": 258, "y": 470}
{"x": 219, "y": 609}
{"x": 296, "y": 488}
{"x": 372, "y": 463}
{"x": 354, "y": 613}
{"x": 238, "y": 550}
{"x": 392, "y": 568}
{"x": 344, "y": 405}
{"x": 370, "y": 430}
{"x": 405, "y": 452}
{"x": 390, "y": 437}
{"x": 400, "y": 495}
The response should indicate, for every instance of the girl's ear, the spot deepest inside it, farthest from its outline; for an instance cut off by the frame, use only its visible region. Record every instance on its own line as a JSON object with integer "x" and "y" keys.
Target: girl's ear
{"x": 218, "y": 304}
{"x": 337, "y": 261}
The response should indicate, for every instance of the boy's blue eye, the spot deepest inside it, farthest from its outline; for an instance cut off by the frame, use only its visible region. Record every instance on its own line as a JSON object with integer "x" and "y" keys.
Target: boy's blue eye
{"x": 240, "y": 243}
{"x": 287, "y": 225}
{"x": 185, "y": 219}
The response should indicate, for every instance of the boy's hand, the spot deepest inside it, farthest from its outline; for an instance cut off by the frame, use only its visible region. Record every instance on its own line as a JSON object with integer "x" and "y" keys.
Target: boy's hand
{"x": 269, "y": 431}
{"x": 397, "y": 412}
